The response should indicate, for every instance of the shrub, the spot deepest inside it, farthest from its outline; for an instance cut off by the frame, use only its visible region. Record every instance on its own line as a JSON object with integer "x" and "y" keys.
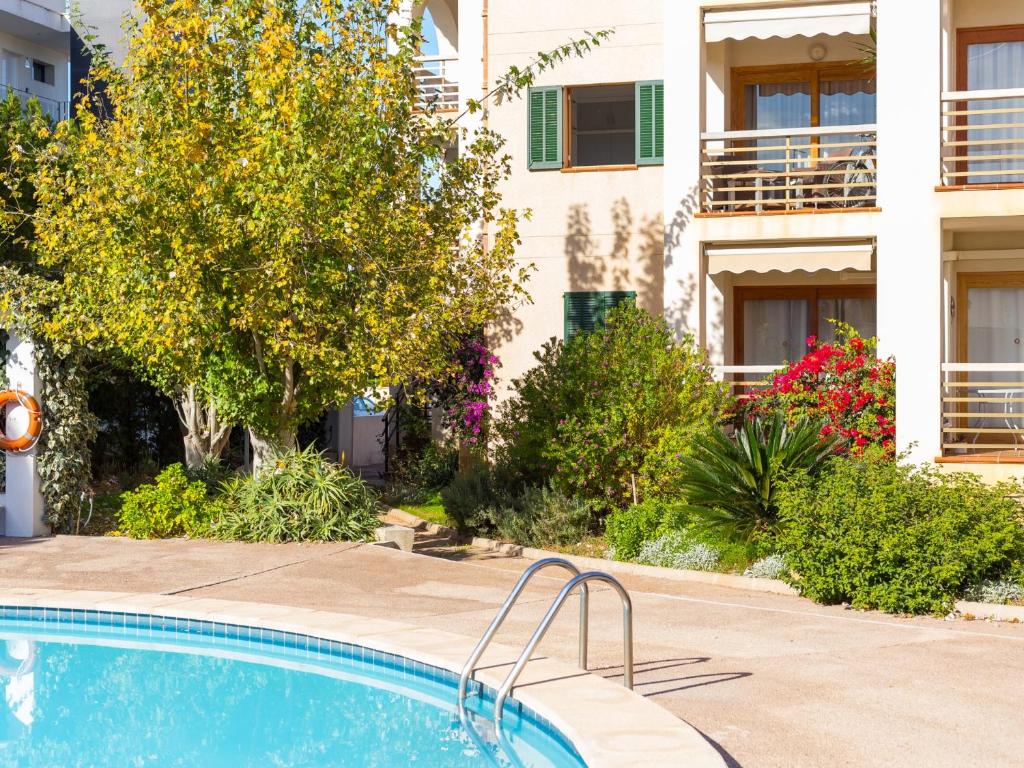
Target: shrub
{"x": 542, "y": 517}
{"x": 732, "y": 484}
{"x": 471, "y": 497}
{"x": 171, "y": 506}
{"x": 626, "y": 531}
{"x": 999, "y": 591}
{"x": 770, "y": 567}
{"x": 842, "y": 386}
{"x": 878, "y": 534}
{"x": 593, "y": 410}
{"x": 303, "y": 497}
{"x": 433, "y": 467}
{"x": 674, "y": 550}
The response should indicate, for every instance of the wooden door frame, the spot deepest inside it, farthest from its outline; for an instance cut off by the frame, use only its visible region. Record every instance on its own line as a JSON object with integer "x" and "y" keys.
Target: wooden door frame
{"x": 1007, "y": 33}
{"x": 809, "y": 293}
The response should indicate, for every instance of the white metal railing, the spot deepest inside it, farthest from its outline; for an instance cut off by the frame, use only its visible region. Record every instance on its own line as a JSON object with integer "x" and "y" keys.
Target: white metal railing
{"x": 56, "y": 110}
{"x": 437, "y": 83}
{"x": 983, "y": 137}
{"x": 982, "y": 407}
{"x": 744, "y": 379}
{"x": 789, "y": 169}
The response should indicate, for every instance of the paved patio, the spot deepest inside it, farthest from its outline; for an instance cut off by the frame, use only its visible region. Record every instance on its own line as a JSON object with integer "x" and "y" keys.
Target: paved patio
{"x": 773, "y": 680}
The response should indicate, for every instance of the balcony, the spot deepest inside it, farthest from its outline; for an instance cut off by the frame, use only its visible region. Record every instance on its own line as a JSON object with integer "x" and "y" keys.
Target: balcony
{"x": 983, "y": 412}
{"x": 802, "y": 170}
{"x": 436, "y": 83}
{"x": 55, "y": 110}
{"x": 983, "y": 139}
{"x": 743, "y": 380}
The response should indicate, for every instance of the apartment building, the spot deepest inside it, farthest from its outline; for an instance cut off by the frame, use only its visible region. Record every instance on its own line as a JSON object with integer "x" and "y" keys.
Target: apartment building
{"x": 753, "y": 170}
{"x": 35, "y": 53}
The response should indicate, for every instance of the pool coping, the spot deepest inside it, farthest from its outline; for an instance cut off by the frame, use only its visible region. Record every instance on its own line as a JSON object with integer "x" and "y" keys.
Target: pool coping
{"x": 608, "y": 725}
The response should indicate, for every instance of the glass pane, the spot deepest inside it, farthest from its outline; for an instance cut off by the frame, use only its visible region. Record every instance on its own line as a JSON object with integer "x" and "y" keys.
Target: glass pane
{"x": 847, "y": 102}
{"x": 992, "y": 66}
{"x": 995, "y": 327}
{"x": 776, "y": 105}
{"x": 774, "y": 331}
{"x": 858, "y": 312}
{"x": 603, "y": 125}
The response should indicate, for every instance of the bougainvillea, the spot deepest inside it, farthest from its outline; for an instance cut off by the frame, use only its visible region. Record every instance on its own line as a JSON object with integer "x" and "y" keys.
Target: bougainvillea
{"x": 466, "y": 397}
{"x": 844, "y": 385}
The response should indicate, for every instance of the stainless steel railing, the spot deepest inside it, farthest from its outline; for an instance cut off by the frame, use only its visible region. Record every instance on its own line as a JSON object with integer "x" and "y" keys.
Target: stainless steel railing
{"x": 506, "y": 607}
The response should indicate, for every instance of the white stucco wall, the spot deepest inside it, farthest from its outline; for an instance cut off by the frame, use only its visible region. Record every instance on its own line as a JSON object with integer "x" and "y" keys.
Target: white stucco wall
{"x": 593, "y": 230}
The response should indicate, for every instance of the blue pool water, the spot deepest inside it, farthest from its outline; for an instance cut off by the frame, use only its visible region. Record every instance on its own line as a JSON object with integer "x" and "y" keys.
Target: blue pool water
{"x": 95, "y": 689}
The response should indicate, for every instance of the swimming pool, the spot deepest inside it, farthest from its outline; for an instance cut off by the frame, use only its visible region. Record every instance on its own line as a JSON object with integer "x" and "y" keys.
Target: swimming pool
{"x": 101, "y": 688}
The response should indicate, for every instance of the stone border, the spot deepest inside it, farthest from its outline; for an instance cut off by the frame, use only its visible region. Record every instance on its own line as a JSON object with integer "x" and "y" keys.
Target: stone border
{"x": 991, "y": 611}
{"x": 730, "y": 580}
{"x": 608, "y": 725}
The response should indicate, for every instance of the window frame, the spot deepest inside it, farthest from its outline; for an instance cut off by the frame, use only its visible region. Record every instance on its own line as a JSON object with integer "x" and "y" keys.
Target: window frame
{"x": 567, "y": 166}
{"x": 1006, "y": 33}
{"x": 809, "y": 293}
{"x": 49, "y": 72}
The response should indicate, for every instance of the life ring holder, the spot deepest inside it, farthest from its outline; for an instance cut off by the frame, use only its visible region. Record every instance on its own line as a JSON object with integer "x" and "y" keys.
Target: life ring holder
{"x": 28, "y": 440}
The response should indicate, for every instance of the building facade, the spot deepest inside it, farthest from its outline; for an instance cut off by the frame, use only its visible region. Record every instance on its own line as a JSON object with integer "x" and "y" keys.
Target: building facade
{"x": 35, "y": 53}
{"x": 755, "y": 170}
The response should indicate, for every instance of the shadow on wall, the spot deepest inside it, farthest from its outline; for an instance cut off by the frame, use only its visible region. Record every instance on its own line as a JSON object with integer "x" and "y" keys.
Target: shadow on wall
{"x": 634, "y": 261}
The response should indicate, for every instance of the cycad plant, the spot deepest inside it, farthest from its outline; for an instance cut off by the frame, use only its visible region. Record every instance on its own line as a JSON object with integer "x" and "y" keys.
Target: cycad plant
{"x": 730, "y": 483}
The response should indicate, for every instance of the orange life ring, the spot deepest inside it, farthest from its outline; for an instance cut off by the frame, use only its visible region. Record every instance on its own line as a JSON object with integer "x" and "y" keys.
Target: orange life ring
{"x": 35, "y": 420}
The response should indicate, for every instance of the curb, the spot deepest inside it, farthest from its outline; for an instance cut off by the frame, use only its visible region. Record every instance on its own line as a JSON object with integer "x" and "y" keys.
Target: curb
{"x": 732, "y": 581}
{"x": 991, "y": 611}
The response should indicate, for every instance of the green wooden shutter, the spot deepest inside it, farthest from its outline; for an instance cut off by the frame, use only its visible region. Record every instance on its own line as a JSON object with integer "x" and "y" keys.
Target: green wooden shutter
{"x": 650, "y": 122}
{"x": 545, "y": 128}
{"x": 586, "y": 310}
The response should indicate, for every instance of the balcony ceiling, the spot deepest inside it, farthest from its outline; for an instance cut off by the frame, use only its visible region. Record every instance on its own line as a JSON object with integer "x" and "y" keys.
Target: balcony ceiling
{"x": 35, "y": 22}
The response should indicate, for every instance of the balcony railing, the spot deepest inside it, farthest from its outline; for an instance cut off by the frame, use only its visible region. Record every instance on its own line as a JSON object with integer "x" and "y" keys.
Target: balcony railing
{"x": 436, "y": 84}
{"x": 982, "y": 408}
{"x": 56, "y": 110}
{"x": 743, "y": 380}
{"x": 983, "y": 137}
{"x": 789, "y": 169}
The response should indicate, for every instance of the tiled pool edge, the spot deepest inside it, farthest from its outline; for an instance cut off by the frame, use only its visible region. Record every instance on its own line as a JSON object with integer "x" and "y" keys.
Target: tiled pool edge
{"x": 609, "y": 726}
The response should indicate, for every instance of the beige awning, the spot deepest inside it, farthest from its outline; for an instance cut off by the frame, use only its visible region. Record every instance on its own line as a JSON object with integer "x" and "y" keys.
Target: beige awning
{"x": 791, "y": 21}
{"x": 785, "y": 258}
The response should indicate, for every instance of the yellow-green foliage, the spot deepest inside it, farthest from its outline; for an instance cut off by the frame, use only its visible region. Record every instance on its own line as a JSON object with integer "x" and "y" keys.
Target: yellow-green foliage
{"x": 171, "y": 506}
{"x": 252, "y": 212}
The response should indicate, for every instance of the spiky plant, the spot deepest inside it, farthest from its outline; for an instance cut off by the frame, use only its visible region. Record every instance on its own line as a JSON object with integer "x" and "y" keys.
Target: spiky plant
{"x": 730, "y": 483}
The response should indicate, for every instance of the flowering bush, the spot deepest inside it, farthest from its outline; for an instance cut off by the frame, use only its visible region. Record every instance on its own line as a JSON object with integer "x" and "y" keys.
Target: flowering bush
{"x": 841, "y": 384}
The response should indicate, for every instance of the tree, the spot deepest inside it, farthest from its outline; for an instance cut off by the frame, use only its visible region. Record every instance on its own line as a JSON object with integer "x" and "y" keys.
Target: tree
{"x": 258, "y": 217}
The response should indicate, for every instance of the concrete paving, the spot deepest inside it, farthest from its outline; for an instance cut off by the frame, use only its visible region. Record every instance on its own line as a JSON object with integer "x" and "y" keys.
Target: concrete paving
{"x": 773, "y": 680}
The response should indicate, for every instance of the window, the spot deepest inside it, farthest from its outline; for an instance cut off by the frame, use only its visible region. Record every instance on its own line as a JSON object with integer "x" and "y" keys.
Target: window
{"x": 43, "y": 72}
{"x": 597, "y": 126}
{"x": 602, "y": 125}
{"x": 586, "y": 310}
{"x": 803, "y": 96}
{"x": 771, "y": 324}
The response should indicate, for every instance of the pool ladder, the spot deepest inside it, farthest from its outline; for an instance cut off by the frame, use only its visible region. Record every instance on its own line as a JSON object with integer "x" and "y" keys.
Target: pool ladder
{"x": 577, "y": 579}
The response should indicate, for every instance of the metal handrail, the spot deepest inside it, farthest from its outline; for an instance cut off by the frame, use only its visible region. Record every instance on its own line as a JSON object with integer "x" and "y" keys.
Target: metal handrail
{"x": 506, "y": 607}
{"x": 545, "y": 623}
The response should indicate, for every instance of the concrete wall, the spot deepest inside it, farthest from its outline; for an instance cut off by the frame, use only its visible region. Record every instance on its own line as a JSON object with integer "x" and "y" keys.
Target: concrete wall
{"x": 51, "y": 49}
{"x": 593, "y": 230}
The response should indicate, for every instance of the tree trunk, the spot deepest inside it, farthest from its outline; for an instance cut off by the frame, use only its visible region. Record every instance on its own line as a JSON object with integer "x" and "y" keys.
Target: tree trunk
{"x": 265, "y": 447}
{"x": 204, "y": 435}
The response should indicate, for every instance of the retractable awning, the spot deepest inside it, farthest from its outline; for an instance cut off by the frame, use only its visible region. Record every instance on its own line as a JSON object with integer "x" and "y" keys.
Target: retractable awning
{"x": 791, "y": 21}
{"x": 787, "y": 258}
